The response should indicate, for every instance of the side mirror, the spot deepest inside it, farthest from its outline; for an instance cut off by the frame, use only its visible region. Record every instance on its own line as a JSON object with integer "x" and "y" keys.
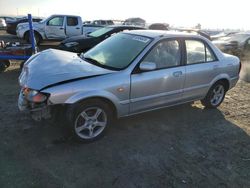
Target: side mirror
{"x": 147, "y": 66}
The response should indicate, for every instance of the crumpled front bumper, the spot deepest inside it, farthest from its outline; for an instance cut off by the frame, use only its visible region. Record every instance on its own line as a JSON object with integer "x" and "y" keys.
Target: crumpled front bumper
{"x": 22, "y": 102}
{"x": 38, "y": 111}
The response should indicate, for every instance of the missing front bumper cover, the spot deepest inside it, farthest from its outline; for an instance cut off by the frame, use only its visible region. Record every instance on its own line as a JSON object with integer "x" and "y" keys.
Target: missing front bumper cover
{"x": 38, "y": 111}
{"x": 41, "y": 113}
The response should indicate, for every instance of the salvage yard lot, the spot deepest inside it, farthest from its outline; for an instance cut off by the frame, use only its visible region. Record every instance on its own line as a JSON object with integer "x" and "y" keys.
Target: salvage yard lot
{"x": 183, "y": 146}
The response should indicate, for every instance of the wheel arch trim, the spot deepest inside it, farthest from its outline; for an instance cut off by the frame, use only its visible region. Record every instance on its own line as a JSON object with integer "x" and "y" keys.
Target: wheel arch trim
{"x": 221, "y": 77}
{"x": 121, "y": 107}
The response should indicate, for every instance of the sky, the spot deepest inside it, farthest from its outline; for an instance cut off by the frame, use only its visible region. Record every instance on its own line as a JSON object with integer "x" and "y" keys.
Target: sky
{"x": 213, "y": 14}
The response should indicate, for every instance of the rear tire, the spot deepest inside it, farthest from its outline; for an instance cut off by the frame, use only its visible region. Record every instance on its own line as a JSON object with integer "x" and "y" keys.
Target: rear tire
{"x": 215, "y": 95}
{"x": 90, "y": 119}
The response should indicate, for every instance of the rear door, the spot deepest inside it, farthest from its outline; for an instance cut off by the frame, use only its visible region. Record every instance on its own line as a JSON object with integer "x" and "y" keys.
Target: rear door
{"x": 55, "y": 28}
{"x": 73, "y": 26}
{"x": 160, "y": 87}
{"x": 201, "y": 68}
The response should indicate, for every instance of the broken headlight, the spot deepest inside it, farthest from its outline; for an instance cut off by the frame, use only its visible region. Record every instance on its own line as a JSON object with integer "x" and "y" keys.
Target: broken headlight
{"x": 35, "y": 96}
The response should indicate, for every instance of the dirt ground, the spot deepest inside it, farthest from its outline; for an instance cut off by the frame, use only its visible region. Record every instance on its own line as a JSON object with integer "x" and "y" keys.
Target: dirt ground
{"x": 182, "y": 146}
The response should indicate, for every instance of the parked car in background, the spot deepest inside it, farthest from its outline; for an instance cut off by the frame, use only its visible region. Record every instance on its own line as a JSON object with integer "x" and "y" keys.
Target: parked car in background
{"x": 91, "y": 26}
{"x": 193, "y": 31}
{"x": 2, "y": 24}
{"x": 235, "y": 44}
{"x": 135, "y": 21}
{"x": 8, "y": 19}
{"x": 55, "y": 27}
{"x": 222, "y": 34}
{"x": 102, "y": 22}
{"x": 129, "y": 73}
{"x": 211, "y": 32}
{"x": 82, "y": 44}
{"x": 159, "y": 26}
{"x": 11, "y": 26}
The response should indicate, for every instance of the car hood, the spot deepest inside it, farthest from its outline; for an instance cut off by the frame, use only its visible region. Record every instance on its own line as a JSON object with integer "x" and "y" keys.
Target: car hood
{"x": 55, "y": 66}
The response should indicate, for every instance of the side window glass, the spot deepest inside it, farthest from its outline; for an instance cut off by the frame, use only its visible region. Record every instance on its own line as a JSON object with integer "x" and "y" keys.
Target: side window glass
{"x": 165, "y": 54}
{"x": 72, "y": 21}
{"x": 56, "y": 21}
{"x": 209, "y": 55}
{"x": 195, "y": 52}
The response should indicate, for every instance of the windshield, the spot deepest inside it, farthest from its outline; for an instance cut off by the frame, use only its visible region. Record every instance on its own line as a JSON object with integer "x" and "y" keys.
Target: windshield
{"x": 238, "y": 37}
{"x": 118, "y": 51}
{"x": 100, "y": 32}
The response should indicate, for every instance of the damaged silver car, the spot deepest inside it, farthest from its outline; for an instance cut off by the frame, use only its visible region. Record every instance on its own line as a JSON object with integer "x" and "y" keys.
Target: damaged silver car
{"x": 129, "y": 73}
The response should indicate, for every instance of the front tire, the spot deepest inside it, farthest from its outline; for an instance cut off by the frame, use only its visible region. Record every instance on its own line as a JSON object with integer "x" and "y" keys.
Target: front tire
{"x": 36, "y": 35}
{"x": 215, "y": 95}
{"x": 90, "y": 120}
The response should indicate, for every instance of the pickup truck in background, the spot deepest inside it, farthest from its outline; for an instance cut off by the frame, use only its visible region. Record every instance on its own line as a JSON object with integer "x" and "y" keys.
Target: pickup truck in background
{"x": 55, "y": 27}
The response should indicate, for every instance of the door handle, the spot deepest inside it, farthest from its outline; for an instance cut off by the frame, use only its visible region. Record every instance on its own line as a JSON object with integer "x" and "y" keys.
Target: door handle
{"x": 177, "y": 73}
{"x": 77, "y": 28}
{"x": 61, "y": 28}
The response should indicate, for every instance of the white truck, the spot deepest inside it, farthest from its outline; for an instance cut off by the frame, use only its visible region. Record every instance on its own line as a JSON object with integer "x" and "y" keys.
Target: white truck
{"x": 55, "y": 27}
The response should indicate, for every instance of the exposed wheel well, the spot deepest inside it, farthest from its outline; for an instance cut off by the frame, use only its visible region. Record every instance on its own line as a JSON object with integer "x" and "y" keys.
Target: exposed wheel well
{"x": 26, "y": 34}
{"x": 36, "y": 32}
{"x": 225, "y": 82}
{"x": 109, "y": 102}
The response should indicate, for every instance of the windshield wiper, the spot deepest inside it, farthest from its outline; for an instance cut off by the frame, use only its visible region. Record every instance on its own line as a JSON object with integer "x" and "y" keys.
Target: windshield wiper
{"x": 97, "y": 63}
{"x": 91, "y": 60}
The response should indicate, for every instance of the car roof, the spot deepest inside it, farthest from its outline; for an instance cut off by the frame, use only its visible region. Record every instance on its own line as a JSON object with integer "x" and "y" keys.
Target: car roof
{"x": 64, "y": 15}
{"x": 161, "y": 33}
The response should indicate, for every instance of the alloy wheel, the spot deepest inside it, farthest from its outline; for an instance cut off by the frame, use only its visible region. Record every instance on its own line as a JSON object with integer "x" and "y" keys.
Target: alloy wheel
{"x": 90, "y": 122}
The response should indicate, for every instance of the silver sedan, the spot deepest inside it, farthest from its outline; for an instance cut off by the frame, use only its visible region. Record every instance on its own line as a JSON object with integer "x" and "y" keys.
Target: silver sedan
{"x": 129, "y": 73}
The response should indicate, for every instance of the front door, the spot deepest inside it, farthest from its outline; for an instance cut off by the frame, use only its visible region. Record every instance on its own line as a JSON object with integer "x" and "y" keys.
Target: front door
{"x": 160, "y": 87}
{"x": 54, "y": 28}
